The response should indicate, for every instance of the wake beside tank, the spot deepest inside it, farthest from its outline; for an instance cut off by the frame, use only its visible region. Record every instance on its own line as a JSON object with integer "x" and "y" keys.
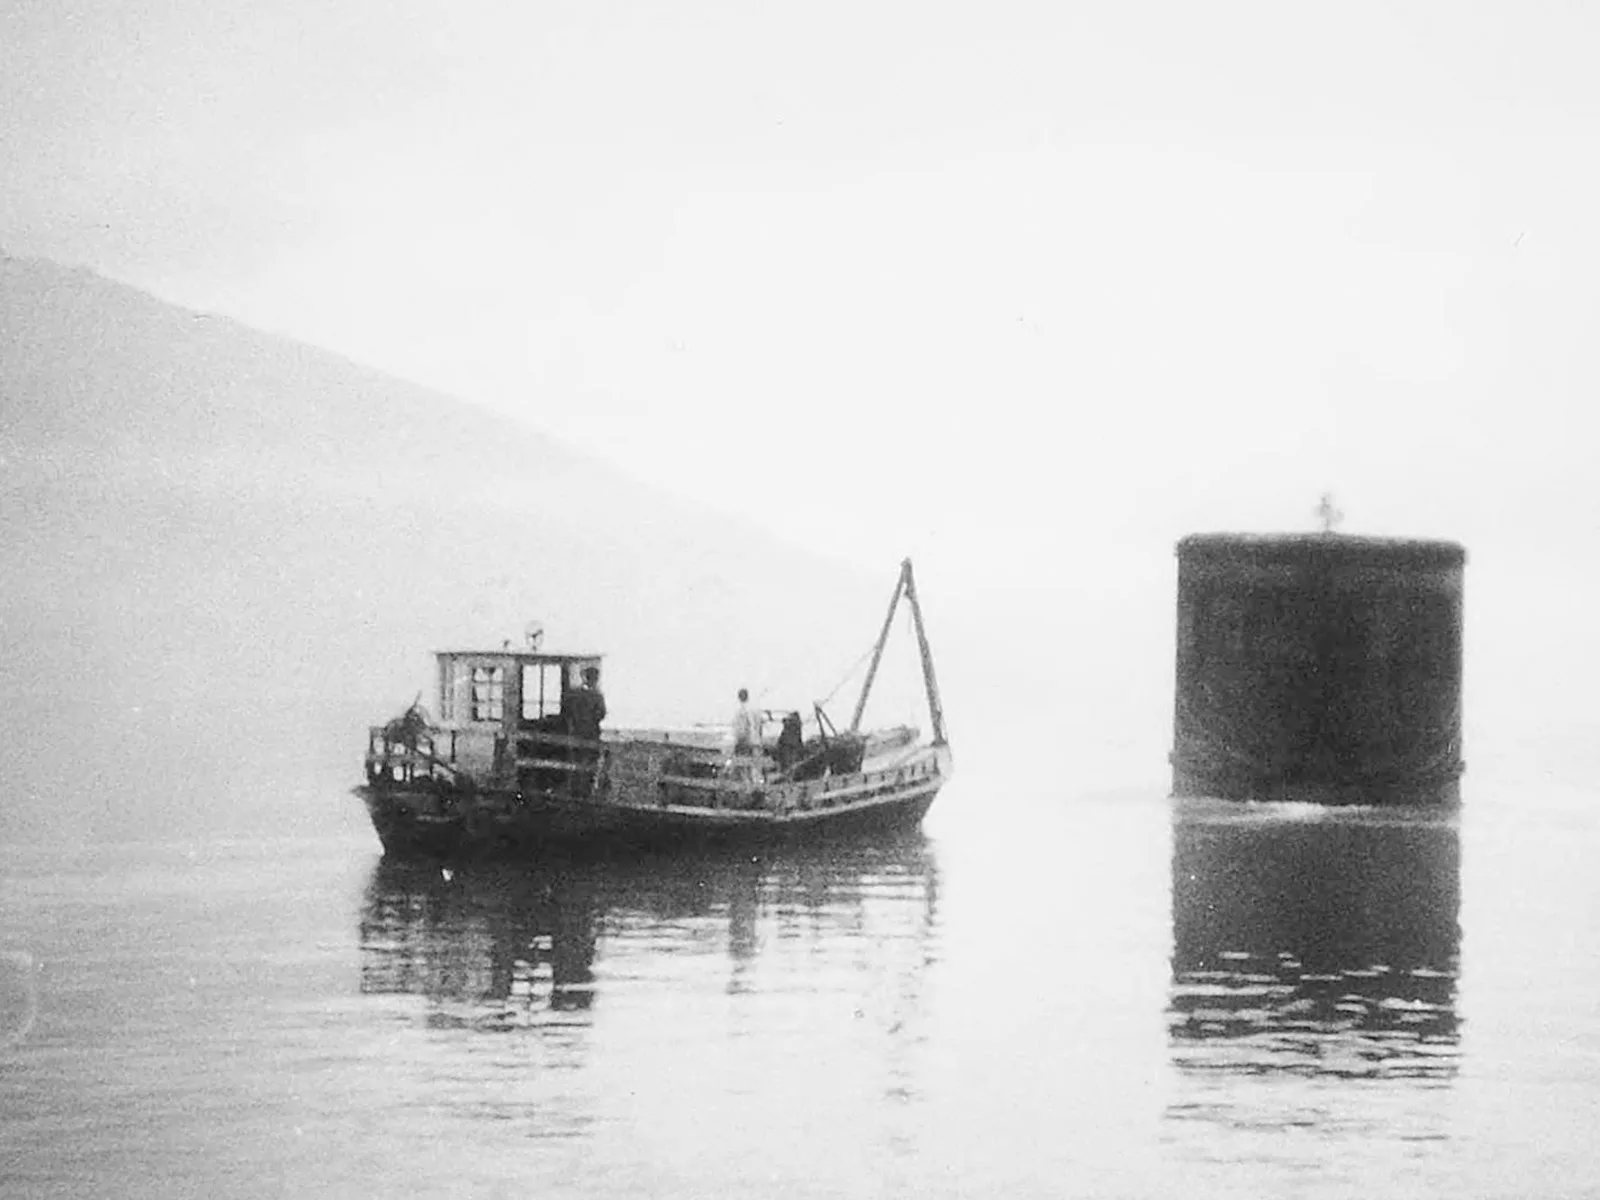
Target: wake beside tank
{"x": 1318, "y": 667}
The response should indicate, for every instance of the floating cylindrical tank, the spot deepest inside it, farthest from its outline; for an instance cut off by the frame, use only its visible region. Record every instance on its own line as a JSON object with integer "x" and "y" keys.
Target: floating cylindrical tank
{"x": 1318, "y": 667}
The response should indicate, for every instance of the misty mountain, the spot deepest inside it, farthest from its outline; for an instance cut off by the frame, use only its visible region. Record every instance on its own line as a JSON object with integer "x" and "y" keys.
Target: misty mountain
{"x": 226, "y": 553}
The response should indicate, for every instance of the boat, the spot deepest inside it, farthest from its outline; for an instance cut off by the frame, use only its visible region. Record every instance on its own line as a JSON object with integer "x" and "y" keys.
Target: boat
{"x": 511, "y": 765}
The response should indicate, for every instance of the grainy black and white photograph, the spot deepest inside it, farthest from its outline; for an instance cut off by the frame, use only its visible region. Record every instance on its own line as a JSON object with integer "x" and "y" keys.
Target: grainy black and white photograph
{"x": 810, "y": 601}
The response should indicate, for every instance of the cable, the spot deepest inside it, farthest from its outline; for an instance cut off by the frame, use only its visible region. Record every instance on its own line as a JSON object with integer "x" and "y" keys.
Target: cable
{"x": 854, "y": 667}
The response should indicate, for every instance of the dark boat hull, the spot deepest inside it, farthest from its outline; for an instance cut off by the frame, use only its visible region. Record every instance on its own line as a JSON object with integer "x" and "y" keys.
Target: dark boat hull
{"x": 409, "y": 824}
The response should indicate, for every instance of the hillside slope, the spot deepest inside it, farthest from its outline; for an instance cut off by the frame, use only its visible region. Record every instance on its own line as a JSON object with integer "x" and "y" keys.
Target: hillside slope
{"x": 226, "y": 553}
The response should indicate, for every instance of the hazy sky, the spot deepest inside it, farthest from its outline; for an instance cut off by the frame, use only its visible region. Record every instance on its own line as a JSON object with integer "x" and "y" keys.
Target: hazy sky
{"x": 972, "y": 281}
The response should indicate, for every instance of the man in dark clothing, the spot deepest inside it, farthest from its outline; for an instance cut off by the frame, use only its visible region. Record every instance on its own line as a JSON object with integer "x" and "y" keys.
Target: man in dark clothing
{"x": 583, "y": 709}
{"x": 586, "y": 707}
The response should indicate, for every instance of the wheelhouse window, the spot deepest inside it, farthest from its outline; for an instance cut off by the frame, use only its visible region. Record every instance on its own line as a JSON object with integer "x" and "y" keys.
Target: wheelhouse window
{"x": 541, "y": 690}
{"x": 450, "y": 677}
{"x": 488, "y": 693}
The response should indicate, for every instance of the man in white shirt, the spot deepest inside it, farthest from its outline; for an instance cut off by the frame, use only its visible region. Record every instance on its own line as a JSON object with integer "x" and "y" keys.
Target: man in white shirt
{"x": 746, "y": 728}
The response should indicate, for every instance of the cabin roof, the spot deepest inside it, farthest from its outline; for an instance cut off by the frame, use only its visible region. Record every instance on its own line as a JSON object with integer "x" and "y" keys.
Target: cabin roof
{"x": 524, "y": 655}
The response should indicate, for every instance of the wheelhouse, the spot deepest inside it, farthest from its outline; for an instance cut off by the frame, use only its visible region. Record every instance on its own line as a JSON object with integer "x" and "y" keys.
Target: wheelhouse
{"x": 488, "y": 697}
{"x": 495, "y": 707}
{"x": 508, "y": 690}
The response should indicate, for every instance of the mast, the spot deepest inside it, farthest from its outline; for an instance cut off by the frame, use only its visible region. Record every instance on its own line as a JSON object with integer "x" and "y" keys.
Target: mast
{"x": 905, "y": 584}
{"x": 877, "y": 650}
{"x": 935, "y": 709}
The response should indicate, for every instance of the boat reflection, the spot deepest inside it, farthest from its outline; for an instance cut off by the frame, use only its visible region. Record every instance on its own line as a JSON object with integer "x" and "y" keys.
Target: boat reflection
{"x": 511, "y": 946}
{"x": 1314, "y": 942}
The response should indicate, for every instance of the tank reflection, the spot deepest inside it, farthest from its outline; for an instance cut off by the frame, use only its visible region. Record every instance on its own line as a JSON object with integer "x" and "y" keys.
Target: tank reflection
{"x": 1314, "y": 942}
{"x": 504, "y": 946}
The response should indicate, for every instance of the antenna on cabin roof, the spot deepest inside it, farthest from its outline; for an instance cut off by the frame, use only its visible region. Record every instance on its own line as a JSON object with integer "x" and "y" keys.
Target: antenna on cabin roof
{"x": 534, "y": 633}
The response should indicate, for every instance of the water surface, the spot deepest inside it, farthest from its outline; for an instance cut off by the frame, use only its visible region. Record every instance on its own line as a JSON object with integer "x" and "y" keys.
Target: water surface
{"x": 1044, "y": 993}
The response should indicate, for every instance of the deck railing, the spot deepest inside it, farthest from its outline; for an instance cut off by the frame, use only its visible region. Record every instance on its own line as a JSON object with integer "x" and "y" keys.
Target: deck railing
{"x": 643, "y": 773}
{"x": 408, "y": 757}
{"x": 559, "y": 764}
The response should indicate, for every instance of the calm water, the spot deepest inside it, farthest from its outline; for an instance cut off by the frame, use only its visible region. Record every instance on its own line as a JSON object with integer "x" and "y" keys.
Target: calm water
{"x": 1044, "y": 994}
